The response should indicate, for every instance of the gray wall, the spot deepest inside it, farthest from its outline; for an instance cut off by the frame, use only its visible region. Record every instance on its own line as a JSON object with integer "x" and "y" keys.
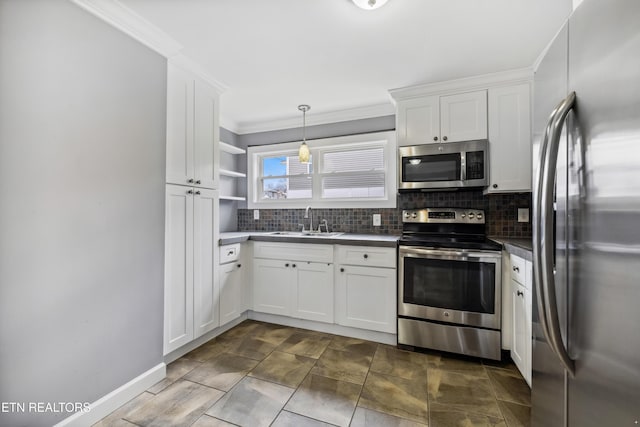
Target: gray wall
{"x": 82, "y": 155}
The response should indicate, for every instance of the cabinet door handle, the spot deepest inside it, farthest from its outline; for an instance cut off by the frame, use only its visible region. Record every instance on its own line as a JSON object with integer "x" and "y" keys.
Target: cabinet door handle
{"x": 197, "y": 192}
{"x": 230, "y": 253}
{"x": 239, "y": 265}
{"x": 444, "y": 138}
{"x": 190, "y": 192}
{"x": 286, "y": 265}
{"x": 519, "y": 293}
{"x": 294, "y": 266}
{"x": 342, "y": 270}
{"x": 198, "y": 182}
{"x": 516, "y": 269}
{"x": 435, "y": 138}
{"x": 190, "y": 180}
{"x": 365, "y": 256}
{"x": 495, "y": 185}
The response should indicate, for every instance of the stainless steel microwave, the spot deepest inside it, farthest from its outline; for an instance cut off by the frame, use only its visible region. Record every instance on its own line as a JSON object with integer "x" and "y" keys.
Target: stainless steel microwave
{"x": 446, "y": 165}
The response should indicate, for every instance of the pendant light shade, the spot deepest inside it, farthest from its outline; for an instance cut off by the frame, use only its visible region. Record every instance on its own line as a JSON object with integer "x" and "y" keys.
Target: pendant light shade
{"x": 303, "y": 152}
{"x": 369, "y": 4}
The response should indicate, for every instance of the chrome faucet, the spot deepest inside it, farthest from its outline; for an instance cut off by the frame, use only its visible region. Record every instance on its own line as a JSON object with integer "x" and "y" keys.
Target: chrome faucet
{"x": 308, "y": 214}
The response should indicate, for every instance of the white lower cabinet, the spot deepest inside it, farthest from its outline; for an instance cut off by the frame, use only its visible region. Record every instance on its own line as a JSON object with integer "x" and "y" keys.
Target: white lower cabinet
{"x": 521, "y": 306}
{"x": 191, "y": 282}
{"x": 365, "y": 292}
{"x": 293, "y": 280}
{"x": 231, "y": 274}
{"x": 313, "y": 297}
{"x": 272, "y": 286}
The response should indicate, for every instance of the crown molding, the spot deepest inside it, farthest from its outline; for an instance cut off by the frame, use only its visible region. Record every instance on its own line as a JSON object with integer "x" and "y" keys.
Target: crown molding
{"x": 129, "y": 22}
{"x": 467, "y": 83}
{"x": 322, "y": 118}
{"x": 126, "y": 20}
{"x": 229, "y": 124}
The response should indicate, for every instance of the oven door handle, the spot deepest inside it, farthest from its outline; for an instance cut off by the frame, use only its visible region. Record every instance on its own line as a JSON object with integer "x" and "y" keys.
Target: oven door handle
{"x": 447, "y": 254}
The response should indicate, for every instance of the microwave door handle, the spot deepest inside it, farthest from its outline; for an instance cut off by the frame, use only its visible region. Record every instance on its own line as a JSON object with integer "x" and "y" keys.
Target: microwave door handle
{"x": 463, "y": 166}
{"x": 546, "y": 235}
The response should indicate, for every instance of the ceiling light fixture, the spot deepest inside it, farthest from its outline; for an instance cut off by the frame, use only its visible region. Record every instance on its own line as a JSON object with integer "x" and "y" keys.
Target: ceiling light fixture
{"x": 369, "y": 4}
{"x": 303, "y": 152}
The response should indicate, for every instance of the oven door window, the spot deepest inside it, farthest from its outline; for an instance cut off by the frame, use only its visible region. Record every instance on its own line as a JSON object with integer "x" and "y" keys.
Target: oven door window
{"x": 454, "y": 285}
{"x": 441, "y": 167}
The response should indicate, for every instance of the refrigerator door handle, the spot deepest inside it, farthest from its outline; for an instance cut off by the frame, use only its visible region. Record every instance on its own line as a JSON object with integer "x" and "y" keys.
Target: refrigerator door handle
{"x": 543, "y": 233}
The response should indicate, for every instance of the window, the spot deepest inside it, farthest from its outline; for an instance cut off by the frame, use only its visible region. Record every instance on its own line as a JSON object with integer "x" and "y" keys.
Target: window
{"x": 353, "y": 171}
{"x": 284, "y": 177}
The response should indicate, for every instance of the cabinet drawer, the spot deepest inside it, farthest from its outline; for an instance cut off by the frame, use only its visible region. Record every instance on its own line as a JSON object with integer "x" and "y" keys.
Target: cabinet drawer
{"x": 229, "y": 253}
{"x": 293, "y": 251}
{"x": 367, "y": 256}
{"x": 518, "y": 269}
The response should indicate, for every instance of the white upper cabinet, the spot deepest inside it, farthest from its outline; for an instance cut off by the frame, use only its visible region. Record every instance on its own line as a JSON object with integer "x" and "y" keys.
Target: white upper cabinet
{"x": 418, "y": 121}
{"x": 450, "y": 118}
{"x": 510, "y": 139}
{"x": 192, "y": 130}
{"x": 463, "y": 117}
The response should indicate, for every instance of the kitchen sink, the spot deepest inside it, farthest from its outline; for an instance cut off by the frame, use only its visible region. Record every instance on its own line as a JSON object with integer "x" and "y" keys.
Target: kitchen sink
{"x": 305, "y": 234}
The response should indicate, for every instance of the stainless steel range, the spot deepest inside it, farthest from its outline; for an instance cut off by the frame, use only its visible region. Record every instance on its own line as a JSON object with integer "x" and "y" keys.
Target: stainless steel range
{"x": 449, "y": 283}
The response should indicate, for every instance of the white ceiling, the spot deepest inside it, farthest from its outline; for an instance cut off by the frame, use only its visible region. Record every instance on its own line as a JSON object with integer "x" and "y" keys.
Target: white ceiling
{"x": 276, "y": 54}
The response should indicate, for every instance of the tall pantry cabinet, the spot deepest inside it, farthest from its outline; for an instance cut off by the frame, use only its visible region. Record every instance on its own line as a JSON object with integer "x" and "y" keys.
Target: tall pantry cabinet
{"x": 191, "y": 210}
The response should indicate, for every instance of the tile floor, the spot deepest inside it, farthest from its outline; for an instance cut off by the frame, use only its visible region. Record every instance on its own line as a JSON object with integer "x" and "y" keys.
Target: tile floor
{"x": 259, "y": 374}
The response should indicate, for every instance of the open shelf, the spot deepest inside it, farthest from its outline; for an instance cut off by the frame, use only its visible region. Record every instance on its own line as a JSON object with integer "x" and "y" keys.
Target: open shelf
{"x": 231, "y": 149}
{"x": 234, "y": 174}
{"x": 233, "y": 198}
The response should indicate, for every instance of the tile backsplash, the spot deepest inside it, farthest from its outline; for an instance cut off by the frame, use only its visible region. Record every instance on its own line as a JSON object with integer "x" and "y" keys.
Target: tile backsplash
{"x": 501, "y": 212}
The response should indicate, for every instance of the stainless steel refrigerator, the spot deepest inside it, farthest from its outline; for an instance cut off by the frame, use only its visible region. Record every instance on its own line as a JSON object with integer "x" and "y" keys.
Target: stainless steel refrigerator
{"x": 586, "y": 221}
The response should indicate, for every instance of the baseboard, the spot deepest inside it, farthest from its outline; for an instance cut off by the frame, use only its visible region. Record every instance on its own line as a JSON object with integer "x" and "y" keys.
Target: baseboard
{"x": 118, "y": 397}
{"x": 329, "y": 328}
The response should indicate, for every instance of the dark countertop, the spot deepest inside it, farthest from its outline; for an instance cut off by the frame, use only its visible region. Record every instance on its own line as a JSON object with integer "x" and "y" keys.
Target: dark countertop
{"x": 519, "y": 247}
{"x": 384, "y": 240}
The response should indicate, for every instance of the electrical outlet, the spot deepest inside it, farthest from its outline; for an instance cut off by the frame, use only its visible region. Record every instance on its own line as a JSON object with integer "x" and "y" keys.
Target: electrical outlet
{"x": 377, "y": 220}
{"x": 523, "y": 214}
{"x": 256, "y": 214}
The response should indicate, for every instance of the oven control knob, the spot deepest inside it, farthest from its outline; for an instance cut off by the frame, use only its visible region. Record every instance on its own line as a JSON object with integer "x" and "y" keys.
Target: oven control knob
{"x": 471, "y": 215}
{"x": 462, "y": 215}
{"x": 479, "y": 216}
{"x": 414, "y": 215}
{"x": 407, "y": 214}
{"x": 446, "y": 314}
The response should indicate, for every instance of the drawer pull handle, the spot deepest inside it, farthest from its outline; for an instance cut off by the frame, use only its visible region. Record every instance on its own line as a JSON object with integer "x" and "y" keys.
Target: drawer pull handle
{"x": 342, "y": 270}
{"x": 239, "y": 265}
{"x": 366, "y": 256}
{"x": 286, "y": 265}
{"x": 294, "y": 266}
{"x": 516, "y": 269}
{"x": 230, "y": 253}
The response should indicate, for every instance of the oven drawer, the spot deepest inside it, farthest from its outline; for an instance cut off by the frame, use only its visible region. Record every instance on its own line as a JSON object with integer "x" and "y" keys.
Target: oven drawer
{"x": 455, "y": 339}
{"x": 367, "y": 256}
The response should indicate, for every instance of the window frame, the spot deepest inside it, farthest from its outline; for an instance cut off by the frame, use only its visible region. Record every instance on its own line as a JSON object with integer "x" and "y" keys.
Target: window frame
{"x": 385, "y": 140}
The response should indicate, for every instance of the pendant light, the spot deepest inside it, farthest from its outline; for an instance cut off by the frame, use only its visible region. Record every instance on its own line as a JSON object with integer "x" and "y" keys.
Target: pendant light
{"x": 303, "y": 152}
{"x": 369, "y": 4}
